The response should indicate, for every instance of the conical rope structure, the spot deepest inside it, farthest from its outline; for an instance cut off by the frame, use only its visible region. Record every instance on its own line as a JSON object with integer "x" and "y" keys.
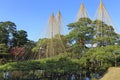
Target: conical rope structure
{"x": 104, "y": 33}
{"x": 83, "y": 18}
{"x": 59, "y": 22}
{"x": 104, "y": 29}
{"x": 55, "y": 45}
{"x": 82, "y": 13}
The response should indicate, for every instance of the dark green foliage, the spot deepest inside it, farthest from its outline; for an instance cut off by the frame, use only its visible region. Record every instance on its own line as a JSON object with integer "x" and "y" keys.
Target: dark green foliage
{"x": 81, "y": 34}
{"x": 6, "y": 32}
{"x": 3, "y": 48}
{"x": 20, "y": 38}
{"x": 79, "y": 57}
{"x": 104, "y": 34}
{"x": 101, "y": 58}
{"x": 60, "y": 64}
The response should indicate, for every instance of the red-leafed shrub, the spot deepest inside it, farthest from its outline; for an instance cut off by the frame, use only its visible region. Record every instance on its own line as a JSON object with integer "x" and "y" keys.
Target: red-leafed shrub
{"x": 15, "y": 51}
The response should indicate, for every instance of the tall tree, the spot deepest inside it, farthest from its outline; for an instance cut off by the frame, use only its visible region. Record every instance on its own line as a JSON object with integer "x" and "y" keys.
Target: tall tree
{"x": 80, "y": 35}
{"x": 7, "y": 29}
{"x": 104, "y": 34}
{"x": 20, "y": 38}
